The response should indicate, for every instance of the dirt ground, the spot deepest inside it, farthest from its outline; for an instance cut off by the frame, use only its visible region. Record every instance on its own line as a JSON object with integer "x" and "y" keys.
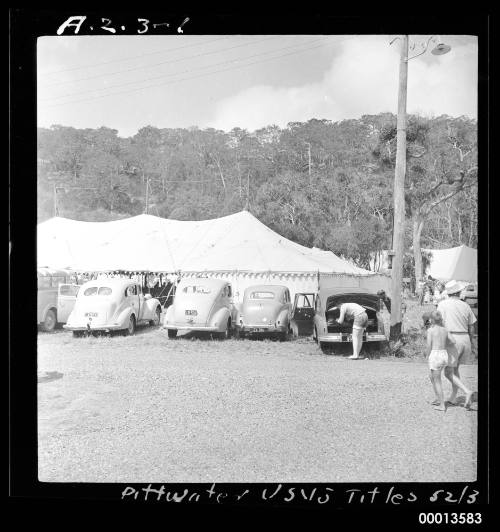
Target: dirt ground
{"x": 149, "y": 409}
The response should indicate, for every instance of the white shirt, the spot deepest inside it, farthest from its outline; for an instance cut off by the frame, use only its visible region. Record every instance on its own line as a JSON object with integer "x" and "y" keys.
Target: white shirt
{"x": 350, "y": 310}
{"x": 457, "y": 315}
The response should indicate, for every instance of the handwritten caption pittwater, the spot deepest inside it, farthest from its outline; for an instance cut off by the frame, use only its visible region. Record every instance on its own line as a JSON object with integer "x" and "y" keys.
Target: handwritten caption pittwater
{"x": 285, "y": 494}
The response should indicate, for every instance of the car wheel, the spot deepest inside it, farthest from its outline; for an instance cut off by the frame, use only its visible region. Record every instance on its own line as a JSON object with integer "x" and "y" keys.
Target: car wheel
{"x": 157, "y": 319}
{"x": 49, "y": 324}
{"x": 325, "y": 348}
{"x": 295, "y": 330}
{"x": 131, "y": 326}
{"x": 172, "y": 333}
{"x": 283, "y": 336}
{"x": 226, "y": 334}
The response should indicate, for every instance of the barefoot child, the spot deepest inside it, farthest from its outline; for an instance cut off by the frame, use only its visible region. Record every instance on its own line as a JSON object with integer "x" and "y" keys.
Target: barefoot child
{"x": 438, "y": 338}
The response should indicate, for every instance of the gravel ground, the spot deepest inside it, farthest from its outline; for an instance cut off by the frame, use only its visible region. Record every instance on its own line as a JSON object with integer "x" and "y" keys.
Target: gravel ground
{"x": 149, "y": 409}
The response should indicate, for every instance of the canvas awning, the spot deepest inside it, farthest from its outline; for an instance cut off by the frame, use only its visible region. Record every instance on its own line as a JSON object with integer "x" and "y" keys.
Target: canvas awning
{"x": 459, "y": 264}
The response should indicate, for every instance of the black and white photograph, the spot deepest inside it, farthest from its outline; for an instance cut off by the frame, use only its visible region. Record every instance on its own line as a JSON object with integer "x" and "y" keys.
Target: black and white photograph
{"x": 257, "y": 258}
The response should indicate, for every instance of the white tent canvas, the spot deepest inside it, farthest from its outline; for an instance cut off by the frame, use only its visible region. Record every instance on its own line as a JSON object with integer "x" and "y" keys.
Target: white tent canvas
{"x": 459, "y": 263}
{"x": 149, "y": 243}
{"x": 238, "y": 246}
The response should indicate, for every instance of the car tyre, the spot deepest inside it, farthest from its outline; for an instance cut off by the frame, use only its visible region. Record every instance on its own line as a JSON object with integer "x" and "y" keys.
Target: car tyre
{"x": 157, "y": 319}
{"x": 226, "y": 334}
{"x": 131, "y": 326}
{"x": 50, "y": 321}
{"x": 172, "y": 333}
{"x": 325, "y": 348}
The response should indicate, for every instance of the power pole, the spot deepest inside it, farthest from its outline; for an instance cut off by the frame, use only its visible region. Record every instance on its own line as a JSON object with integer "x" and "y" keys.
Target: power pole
{"x": 399, "y": 194}
{"x": 309, "y": 155}
{"x": 56, "y": 210}
{"x": 147, "y": 194}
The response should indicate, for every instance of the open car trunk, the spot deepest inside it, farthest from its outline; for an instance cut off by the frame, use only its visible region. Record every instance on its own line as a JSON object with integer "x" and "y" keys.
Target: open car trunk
{"x": 369, "y": 302}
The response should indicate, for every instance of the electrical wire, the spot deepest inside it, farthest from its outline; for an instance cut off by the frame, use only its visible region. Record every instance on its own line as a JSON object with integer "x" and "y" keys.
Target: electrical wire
{"x": 189, "y": 78}
{"x": 158, "y": 64}
{"x": 132, "y": 58}
{"x": 176, "y": 73}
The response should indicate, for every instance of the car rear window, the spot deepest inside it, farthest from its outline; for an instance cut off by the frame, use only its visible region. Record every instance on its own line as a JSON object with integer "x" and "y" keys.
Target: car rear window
{"x": 261, "y": 295}
{"x": 196, "y": 289}
{"x": 97, "y": 290}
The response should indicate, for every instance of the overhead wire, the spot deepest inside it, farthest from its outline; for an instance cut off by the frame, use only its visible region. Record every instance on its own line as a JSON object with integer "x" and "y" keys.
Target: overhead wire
{"x": 204, "y": 43}
{"x": 177, "y": 60}
{"x": 177, "y": 73}
{"x": 190, "y": 78}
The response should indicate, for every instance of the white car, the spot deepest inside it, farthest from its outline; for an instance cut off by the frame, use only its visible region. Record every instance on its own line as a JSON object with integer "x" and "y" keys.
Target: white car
{"x": 110, "y": 305}
{"x": 202, "y": 305}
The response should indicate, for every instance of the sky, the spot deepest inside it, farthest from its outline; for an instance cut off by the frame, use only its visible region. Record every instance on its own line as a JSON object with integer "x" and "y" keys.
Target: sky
{"x": 245, "y": 81}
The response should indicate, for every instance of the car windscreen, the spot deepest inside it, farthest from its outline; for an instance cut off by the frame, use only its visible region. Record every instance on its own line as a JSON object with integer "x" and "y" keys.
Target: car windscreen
{"x": 97, "y": 291}
{"x": 196, "y": 289}
{"x": 261, "y": 295}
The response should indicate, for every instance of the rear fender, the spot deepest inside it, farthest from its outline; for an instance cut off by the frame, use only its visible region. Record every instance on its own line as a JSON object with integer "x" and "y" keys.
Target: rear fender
{"x": 124, "y": 317}
{"x": 150, "y": 306}
{"x": 219, "y": 319}
{"x": 169, "y": 315}
{"x": 283, "y": 317}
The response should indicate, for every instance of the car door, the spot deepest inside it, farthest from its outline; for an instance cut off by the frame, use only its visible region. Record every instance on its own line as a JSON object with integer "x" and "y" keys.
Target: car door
{"x": 132, "y": 297}
{"x": 66, "y": 297}
{"x": 303, "y": 312}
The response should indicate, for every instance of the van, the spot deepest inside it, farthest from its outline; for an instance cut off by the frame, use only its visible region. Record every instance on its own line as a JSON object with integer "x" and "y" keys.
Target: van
{"x": 56, "y": 295}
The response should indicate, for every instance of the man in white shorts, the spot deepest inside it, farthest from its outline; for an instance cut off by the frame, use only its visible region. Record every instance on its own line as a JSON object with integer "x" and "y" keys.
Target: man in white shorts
{"x": 459, "y": 319}
{"x": 360, "y": 317}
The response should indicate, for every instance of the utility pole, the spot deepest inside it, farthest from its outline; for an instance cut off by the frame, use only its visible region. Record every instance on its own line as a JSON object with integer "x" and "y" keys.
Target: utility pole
{"x": 56, "y": 210}
{"x": 147, "y": 194}
{"x": 309, "y": 155}
{"x": 399, "y": 194}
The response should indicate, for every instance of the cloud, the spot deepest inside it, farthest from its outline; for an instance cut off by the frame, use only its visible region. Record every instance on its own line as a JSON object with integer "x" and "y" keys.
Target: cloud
{"x": 362, "y": 79}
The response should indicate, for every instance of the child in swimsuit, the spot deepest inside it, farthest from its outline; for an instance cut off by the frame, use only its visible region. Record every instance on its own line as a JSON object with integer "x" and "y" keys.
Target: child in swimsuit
{"x": 438, "y": 339}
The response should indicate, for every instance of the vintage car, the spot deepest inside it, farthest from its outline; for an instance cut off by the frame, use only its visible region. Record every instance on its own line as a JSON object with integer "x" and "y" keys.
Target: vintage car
{"x": 203, "y": 305}
{"x": 469, "y": 295}
{"x": 112, "y": 304}
{"x": 56, "y": 295}
{"x": 266, "y": 309}
{"x": 328, "y": 332}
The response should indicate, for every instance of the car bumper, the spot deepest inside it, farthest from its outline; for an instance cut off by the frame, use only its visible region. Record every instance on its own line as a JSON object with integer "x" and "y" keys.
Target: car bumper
{"x": 249, "y": 329}
{"x": 200, "y": 328}
{"x": 105, "y": 328}
{"x": 345, "y": 338}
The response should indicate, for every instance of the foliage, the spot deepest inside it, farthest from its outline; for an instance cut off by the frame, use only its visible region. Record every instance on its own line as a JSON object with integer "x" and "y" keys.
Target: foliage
{"x": 320, "y": 183}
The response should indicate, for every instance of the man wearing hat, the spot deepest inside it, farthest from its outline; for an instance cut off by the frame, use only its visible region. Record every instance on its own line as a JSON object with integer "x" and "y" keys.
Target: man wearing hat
{"x": 459, "y": 319}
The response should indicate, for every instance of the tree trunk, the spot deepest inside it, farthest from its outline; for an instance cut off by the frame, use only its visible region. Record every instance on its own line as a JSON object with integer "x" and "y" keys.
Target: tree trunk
{"x": 450, "y": 224}
{"x": 418, "y": 225}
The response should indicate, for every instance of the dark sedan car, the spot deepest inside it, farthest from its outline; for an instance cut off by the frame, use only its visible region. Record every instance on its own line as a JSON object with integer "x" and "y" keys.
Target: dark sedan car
{"x": 328, "y": 332}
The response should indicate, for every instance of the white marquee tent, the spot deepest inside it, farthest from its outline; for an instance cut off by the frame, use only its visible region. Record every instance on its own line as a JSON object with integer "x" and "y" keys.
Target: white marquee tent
{"x": 459, "y": 264}
{"x": 238, "y": 247}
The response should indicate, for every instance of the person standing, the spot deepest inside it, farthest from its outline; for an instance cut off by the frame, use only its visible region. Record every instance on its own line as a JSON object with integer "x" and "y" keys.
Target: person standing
{"x": 360, "y": 317}
{"x": 420, "y": 290}
{"x": 459, "y": 319}
{"x": 439, "y": 340}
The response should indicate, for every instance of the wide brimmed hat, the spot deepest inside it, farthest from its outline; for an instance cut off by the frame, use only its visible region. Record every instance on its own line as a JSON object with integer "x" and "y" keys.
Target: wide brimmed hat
{"x": 453, "y": 287}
